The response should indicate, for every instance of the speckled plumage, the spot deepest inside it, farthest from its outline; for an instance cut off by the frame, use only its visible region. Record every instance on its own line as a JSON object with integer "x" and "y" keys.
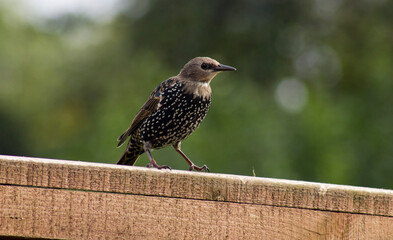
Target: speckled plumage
{"x": 177, "y": 116}
{"x": 173, "y": 111}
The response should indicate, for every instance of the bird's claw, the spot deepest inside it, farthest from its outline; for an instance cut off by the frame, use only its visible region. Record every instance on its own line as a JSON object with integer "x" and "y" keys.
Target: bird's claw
{"x": 155, "y": 165}
{"x": 203, "y": 168}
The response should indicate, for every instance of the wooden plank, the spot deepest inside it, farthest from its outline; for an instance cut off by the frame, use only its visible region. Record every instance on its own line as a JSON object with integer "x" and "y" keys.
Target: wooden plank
{"x": 57, "y": 213}
{"x": 75, "y": 175}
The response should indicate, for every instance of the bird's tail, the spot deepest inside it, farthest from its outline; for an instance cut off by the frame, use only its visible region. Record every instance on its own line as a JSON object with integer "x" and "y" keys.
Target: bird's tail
{"x": 130, "y": 155}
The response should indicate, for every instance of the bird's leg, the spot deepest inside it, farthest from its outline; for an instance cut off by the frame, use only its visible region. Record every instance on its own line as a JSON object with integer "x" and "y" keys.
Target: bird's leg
{"x": 192, "y": 165}
{"x": 153, "y": 163}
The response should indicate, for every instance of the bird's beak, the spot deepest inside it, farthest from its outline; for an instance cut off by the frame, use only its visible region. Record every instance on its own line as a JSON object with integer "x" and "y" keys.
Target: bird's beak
{"x": 222, "y": 67}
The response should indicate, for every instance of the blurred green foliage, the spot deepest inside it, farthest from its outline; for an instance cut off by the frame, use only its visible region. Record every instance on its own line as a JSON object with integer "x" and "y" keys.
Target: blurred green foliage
{"x": 312, "y": 98}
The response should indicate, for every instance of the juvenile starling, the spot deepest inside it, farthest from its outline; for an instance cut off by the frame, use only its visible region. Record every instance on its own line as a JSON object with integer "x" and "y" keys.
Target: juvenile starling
{"x": 172, "y": 112}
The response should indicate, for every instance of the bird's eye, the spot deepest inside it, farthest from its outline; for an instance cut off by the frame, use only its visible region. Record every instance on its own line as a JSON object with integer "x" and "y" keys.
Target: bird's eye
{"x": 204, "y": 66}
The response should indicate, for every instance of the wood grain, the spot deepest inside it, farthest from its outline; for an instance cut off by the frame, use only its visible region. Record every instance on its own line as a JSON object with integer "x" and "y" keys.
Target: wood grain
{"x": 79, "y": 200}
{"x": 96, "y": 215}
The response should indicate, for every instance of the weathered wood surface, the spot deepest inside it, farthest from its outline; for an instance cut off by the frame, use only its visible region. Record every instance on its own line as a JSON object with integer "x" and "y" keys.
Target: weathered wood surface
{"x": 80, "y": 200}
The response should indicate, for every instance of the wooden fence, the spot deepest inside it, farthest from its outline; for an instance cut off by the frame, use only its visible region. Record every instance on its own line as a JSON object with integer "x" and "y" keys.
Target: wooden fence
{"x": 46, "y": 198}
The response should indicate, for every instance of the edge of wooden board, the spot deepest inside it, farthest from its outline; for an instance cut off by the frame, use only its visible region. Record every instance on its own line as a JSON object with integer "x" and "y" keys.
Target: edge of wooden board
{"x": 87, "y": 176}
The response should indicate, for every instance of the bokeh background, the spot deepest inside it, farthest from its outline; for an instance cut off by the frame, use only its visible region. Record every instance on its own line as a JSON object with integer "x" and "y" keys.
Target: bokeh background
{"x": 312, "y": 98}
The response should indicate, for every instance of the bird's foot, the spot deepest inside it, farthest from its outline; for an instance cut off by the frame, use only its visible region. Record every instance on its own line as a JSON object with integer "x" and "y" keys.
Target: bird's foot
{"x": 153, "y": 164}
{"x": 203, "y": 168}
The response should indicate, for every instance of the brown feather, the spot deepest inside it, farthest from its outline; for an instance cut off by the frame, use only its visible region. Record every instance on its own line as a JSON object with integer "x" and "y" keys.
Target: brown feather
{"x": 146, "y": 110}
{"x": 198, "y": 89}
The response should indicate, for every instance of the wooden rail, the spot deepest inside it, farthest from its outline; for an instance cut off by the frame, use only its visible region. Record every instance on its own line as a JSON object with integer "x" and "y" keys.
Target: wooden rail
{"x": 46, "y": 198}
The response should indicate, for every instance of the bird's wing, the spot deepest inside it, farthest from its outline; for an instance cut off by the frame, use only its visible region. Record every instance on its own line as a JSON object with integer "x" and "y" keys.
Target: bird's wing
{"x": 150, "y": 106}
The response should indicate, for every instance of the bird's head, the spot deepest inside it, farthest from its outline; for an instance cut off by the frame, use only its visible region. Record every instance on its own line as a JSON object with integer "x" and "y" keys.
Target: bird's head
{"x": 202, "y": 69}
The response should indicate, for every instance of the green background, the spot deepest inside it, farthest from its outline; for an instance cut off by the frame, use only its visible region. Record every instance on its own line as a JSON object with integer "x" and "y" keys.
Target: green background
{"x": 312, "y": 98}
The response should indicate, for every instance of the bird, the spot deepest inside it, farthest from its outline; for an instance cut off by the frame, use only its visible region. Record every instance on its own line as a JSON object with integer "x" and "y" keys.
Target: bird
{"x": 173, "y": 111}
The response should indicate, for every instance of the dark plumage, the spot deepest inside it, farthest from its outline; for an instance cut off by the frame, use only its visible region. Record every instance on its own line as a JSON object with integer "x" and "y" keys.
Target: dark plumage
{"x": 172, "y": 112}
